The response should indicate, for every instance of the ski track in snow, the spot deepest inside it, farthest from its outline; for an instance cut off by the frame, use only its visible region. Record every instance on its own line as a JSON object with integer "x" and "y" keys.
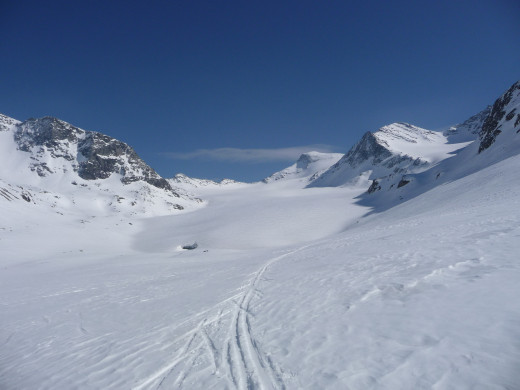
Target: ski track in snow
{"x": 239, "y": 359}
{"x": 248, "y": 366}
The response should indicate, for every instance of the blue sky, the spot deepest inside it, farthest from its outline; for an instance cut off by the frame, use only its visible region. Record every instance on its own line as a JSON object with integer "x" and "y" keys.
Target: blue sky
{"x": 238, "y": 88}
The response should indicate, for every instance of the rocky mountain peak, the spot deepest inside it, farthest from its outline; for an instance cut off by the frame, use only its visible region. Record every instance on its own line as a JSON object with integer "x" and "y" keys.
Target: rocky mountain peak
{"x": 368, "y": 148}
{"x": 50, "y": 133}
{"x": 91, "y": 154}
{"x": 7, "y": 122}
{"x": 308, "y": 158}
{"x": 504, "y": 114}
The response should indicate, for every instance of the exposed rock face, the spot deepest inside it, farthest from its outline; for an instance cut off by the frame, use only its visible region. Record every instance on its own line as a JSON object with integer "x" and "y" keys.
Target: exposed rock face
{"x": 375, "y": 186}
{"x": 305, "y": 160}
{"x": 92, "y": 155}
{"x": 504, "y": 110}
{"x": 367, "y": 149}
{"x": 6, "y": 122}
{"x": 403, "y": 182}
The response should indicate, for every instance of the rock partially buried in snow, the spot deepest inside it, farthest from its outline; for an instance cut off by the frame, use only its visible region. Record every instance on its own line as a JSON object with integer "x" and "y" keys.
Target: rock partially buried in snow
{"x": 190, "y": 246}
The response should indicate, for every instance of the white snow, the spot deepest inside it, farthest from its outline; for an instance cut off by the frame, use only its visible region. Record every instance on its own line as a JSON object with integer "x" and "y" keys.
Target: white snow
{"x": 416, "y": 142}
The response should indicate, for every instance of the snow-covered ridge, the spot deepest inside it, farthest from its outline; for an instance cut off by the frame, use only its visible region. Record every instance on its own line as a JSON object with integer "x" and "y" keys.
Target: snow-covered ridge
{"x": 418, "y": 143}
{"x": 469, "y": 129}
{"x": 308, "y": 166}
{"x": 185, "y": 181}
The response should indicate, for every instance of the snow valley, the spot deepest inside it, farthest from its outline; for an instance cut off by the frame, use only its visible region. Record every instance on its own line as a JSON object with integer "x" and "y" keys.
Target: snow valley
{"x": 393, "y": 266}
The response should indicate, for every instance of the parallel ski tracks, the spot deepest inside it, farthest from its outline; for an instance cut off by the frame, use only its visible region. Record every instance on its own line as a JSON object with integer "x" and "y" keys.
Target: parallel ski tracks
{"x": 238, "y": 358}
{"x": 248, "y": 366}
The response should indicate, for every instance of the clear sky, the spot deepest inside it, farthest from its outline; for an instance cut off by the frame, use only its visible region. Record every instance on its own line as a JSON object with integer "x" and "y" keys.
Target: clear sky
{"x": 238, "y": 88}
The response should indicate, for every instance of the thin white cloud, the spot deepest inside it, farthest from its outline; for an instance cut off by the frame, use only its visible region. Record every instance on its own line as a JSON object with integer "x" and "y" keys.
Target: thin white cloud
{"x": 250, "y": 155}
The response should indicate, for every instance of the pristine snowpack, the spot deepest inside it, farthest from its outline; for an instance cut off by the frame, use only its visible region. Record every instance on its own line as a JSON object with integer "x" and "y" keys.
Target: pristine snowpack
{"x": 394, "y": 266}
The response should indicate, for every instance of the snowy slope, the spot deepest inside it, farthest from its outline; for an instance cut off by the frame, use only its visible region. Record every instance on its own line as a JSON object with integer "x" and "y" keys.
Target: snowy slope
{"x": 396, "y": 300}
{"x": 419, "y": 297}
{"x": 415, "y": 142}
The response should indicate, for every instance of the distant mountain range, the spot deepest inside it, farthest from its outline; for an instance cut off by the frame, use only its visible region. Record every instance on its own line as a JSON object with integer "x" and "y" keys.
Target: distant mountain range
{"x": 49, "y": 161}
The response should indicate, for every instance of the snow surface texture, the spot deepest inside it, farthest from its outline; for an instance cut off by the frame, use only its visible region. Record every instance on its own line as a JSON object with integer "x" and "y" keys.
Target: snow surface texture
{"x": 413, "y": 287}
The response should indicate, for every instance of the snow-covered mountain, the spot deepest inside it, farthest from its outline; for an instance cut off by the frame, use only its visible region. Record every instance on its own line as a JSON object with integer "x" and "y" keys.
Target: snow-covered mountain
{"x": 394, "y": 149}
{"x": 48, "y": 159}
{"x": 308, "y": 166}
{"x": 497, "y": 137}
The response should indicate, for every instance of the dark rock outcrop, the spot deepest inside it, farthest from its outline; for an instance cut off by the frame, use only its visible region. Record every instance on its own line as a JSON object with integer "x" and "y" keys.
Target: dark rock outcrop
{"x": 500, "y": 113}
{"x": 375, "y": 186}
{"x": 92, "y": 155}
{"x": 366, "y": 149}
{"x": 403, "y": 182}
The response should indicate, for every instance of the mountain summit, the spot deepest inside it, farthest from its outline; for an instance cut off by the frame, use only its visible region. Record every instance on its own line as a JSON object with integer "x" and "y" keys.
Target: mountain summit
{"x": 308, "y": 166}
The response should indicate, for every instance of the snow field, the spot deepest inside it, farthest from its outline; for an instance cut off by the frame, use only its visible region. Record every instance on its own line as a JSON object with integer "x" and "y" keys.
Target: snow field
{"x": 420, "y": 296}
